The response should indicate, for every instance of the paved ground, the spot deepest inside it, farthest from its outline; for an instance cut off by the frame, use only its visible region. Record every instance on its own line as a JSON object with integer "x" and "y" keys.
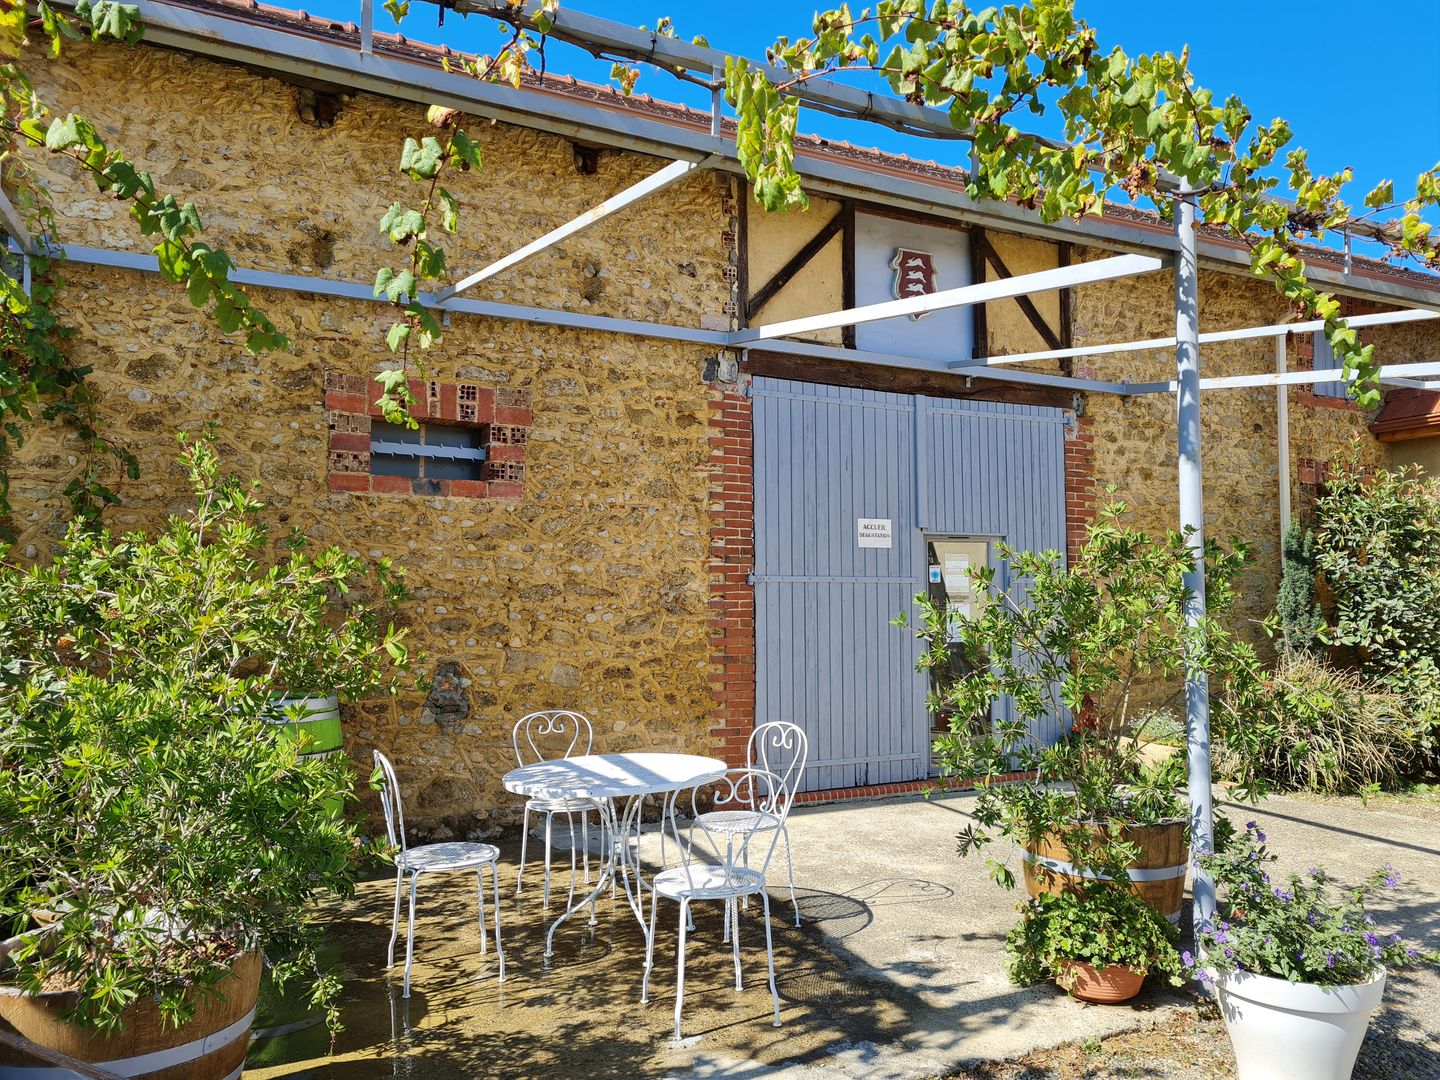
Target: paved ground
{"x": 897, "y": 971}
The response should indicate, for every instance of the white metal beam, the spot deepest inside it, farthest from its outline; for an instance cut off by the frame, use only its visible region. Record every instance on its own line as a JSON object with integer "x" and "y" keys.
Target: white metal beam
{"x": 1383, "y": 318}
{"x": 1064, "y": 277}
{"x": 1301, "y": 378}
{"x": 658, "y": 181}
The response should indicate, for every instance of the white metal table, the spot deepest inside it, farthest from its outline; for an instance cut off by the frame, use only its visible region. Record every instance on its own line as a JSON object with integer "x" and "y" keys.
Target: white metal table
{"x": 608, "y": 779}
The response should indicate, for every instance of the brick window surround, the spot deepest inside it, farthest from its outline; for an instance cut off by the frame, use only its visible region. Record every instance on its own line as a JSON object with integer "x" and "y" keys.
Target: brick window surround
{"x": 1302, "y": 348}
{"x": 502, "y": 413}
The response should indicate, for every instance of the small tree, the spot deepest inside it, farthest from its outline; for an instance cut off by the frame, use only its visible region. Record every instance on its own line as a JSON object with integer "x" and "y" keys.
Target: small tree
{"x": 1081, "y": 640}
{"x": 1295, "y": 604}
{"x": 167, "y": 824}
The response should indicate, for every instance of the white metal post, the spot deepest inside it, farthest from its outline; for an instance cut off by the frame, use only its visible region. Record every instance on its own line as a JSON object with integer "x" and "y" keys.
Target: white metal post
{"x": 1192, "y": 520}
{"x": 1282, "y": 434}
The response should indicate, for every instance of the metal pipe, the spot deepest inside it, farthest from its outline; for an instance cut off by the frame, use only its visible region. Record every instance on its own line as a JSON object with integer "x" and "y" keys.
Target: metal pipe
{"x": 367, "y": 27}
{"x": 1282, "y": 435}
{"x": 657, "y": 181}
{"x": 1192, "y": 523}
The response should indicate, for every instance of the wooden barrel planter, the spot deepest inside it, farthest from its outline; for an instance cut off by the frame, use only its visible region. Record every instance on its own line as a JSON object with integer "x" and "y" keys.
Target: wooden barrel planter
{"x": 1157, "y": 876}
{"x": 210, "y": 1047}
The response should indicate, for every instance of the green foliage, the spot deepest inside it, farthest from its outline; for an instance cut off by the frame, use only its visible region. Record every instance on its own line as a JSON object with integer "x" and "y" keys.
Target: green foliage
{"x": 37, "y": 377}
{"x": 1078, "y": 641}
{"x": 1127, "y": 123}
{"x": 1295, "y": 604}
{"x": 1107, "y": 925}
{"x": 167, "y": 826}
{"x": 1310, "y": 930}
{"x": 1333, "y": 730}
{"x": 1377, "y": 545}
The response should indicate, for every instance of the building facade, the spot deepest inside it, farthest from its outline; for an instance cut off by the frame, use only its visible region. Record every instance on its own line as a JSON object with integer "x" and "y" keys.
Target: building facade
{"x": 677, "y": 539}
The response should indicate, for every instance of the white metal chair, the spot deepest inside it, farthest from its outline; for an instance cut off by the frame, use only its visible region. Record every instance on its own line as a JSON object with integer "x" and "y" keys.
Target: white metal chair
{"x": 546, "y": 736}
{"x": 776, "y": 747}
{"x": 729, "y": 880}
{"x": 429, "y": 859}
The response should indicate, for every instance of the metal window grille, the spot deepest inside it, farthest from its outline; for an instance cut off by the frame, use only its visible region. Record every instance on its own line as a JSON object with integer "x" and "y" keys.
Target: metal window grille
{"x": 434, "y": 451}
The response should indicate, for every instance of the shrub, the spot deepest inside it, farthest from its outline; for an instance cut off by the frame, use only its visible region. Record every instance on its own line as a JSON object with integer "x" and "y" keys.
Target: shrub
{"x": 167, "y": 826}
{"x": 1295, "y": 605}
{"x": 1317, "y": 727}
{"x": 1377, "y": 545}
{"x": 1075, "y": 641}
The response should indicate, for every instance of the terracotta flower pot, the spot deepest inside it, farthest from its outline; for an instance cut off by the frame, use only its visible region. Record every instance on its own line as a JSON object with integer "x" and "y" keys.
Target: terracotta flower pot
{"x": 1104, "y": 986}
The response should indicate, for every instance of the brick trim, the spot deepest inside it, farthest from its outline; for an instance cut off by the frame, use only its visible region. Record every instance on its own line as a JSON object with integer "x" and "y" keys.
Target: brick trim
{"x": 503, "y": 413}
{"x": 732, "y": 558}
{"x": 908, "y": 787}
{"x": 1081, "y": 496}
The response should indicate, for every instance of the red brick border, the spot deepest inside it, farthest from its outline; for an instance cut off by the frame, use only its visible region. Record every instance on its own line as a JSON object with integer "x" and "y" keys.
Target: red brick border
{"x": 1081, "y": 498}
{"x": 732, "y": 558}
{"x": 504, "y": 413}
{"x": 908, "y": 787}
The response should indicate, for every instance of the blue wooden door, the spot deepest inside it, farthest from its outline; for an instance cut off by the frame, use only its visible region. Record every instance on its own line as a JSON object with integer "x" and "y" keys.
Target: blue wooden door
{"x": 829, "y": 460}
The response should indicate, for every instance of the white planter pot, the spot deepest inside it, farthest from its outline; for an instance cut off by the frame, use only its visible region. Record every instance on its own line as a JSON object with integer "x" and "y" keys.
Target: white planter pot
{"x": 1295, "y": 1031}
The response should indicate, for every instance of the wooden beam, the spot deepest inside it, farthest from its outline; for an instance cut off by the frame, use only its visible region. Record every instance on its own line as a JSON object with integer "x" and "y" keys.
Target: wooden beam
{"x": 847, "y": 269}
{"x": 796, "y": 263}
{"x": 1046, "y": 332}
{"x": 836, "y": 372}
{"x": 977, "y": 275}
{"x": 1067, "y": 315}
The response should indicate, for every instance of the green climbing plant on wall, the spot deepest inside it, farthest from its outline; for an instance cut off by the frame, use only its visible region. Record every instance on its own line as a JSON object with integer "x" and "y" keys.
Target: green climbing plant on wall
{"x": 39, "y": 380}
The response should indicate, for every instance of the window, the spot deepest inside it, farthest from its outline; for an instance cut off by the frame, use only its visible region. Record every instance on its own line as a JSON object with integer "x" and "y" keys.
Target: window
{"x": 431, "y": 451}
{"x": 1325, "y": 360}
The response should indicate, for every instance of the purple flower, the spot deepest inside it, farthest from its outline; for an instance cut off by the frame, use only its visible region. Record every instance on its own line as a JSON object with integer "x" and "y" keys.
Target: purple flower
{"x": 1392, "y": 879}
{"x": 1203, "y": 976}
{"x": 1284, "y": 895}
{"x": 1411, "y": 951}
{"x": 1187, "y": 958}
{"x": 1250, "y": 826}
{"x": 1220, "y": 937}
{"x": 1312, "y": 918}
{"x": 1371, "y": 940}
{"x": 1329, "y": 959}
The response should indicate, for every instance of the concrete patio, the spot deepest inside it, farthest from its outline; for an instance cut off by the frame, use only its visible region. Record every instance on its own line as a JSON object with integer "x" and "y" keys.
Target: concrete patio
{"x": 897, "y": 970}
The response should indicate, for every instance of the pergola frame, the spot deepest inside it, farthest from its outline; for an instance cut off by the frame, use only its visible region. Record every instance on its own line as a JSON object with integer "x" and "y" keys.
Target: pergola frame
{"x": 216, "y": 36}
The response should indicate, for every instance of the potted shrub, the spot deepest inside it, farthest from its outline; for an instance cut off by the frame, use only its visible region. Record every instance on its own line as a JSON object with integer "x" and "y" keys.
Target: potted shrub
{"x": 1298, "y": 968}
{"x": 1098, "y": 945}
{"x": 1065, "y": 651}
{"x": 170, "y": 833}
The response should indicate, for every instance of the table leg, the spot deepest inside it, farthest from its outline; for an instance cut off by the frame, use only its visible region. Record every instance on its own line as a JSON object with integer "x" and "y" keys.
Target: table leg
{"x": 606, "y": 871}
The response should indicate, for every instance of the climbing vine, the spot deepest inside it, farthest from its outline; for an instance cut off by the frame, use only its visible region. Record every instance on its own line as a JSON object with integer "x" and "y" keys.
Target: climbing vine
{"x": 38, "y": 378}
{"x": 426, "y": 160}
{"x": 1129, "y": 124}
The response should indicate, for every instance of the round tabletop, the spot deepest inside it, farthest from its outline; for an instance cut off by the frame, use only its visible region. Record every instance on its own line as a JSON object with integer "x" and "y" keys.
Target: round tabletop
{"x": 612, "y": 776}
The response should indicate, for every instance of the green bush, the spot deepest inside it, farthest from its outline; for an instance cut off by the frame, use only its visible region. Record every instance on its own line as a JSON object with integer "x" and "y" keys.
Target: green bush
{"x": 1327, "y": 729}
{"x": 167, "y": 826}
{"x": 1377, "y": 546}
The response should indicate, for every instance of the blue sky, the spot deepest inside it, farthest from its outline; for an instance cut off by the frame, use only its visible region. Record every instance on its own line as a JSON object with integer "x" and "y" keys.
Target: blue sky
{"x": 1356, "y": 81}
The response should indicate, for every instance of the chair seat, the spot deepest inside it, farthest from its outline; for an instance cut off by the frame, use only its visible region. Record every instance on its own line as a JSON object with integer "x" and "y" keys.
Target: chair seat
{"x": 561, "y": 806}
{"x": 451, "y": 855}
{"x": 737, "y": 821}
{"x": 708, "y": 882}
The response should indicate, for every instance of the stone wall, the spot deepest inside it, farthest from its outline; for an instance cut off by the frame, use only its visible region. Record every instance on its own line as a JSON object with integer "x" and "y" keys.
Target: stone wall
{"x": 589, "y": 592}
